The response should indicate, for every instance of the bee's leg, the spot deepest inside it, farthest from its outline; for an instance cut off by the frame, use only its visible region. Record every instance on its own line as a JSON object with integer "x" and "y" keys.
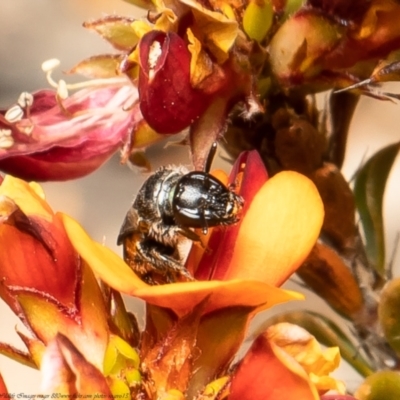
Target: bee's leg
{"x": 169, "y": 234}
{"x": 188, "y": 233}
{"x": 162, "y": 263}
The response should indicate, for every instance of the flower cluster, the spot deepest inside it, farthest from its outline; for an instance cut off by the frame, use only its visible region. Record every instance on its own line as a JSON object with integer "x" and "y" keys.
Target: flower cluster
{"x": 85, "y": 341}
{"x": 243, "y": 72}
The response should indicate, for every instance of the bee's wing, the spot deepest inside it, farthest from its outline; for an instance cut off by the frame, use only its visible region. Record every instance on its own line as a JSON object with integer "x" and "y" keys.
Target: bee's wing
{"x": 129, "y": 226}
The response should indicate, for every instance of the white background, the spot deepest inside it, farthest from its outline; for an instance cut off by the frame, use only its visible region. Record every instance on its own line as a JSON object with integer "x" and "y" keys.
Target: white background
{"x": 33, "y": 31}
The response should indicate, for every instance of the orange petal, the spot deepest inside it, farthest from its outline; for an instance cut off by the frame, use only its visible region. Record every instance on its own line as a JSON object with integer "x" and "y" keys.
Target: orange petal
{"x": 36, "y": 256}
{"x": 3, "y": 388}
{"x": 183, "y": 297}
{"x": 268, "y": 373}
{"x": 88, "y": 331}
{"x": 66, "y": 371}
{"x": 180, "y": 297}
{"x": 318, "y": 363}
{"x": 29, "y": 197}
{"x": 249, "y": 174}
{"x": 105, "y": 263}
{"x": 279, "y": 229}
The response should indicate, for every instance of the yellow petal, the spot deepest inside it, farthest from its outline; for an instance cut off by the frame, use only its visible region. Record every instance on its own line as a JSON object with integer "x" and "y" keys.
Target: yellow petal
{"x": 218, "y": 31}
{"x": 29, "y": 197}
{"x": 105, "y": 263}
{"x": 279, "y": 229}
{"x": 200, "y": 64}
{"x": 305, "y": 349}
{"x": 269, "y": 373}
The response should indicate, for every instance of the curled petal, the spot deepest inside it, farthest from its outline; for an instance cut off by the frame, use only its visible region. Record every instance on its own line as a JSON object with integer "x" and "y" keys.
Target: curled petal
{"x": 36, "y": 255}
{"x": 87, "y": 330}
{"x": 305, "y": 349}
{"x": 168, "y": 101}
{"x": 28, "y": 197}
{"x": 66, "y": 371}
{"x": 71, "y": 139}
{"x": 219, "y": 32}
{"x": 249, "y": 174}
{"x": 278, "y": 231}
{"x": 281, "y": 222}
{"x": 180, "y": 297}
{"x": 376, "y": 37}
{"x": 44, "y": 280}
{"x": 301, "y": 43}
{"x": 108, "y": 265}
{"x": 269, "y": 373}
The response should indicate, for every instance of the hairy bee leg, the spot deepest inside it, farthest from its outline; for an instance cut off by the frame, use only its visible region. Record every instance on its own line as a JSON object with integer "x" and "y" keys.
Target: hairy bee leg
{"x": 188, "y": 233}
{"x": 170, "y": 234}
{"x": 161, "y": 262}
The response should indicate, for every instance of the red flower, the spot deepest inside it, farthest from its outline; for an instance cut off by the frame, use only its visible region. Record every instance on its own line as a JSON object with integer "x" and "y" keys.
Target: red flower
{"x": 54, "y": 140}
{"x": 168, "y": 101}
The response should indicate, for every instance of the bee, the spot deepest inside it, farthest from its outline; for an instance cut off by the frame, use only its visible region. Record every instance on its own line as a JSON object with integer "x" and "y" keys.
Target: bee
{"x": 170, "y": 203}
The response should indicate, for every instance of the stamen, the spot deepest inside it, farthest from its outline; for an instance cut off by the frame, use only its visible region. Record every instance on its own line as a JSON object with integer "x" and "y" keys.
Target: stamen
{"x": 49, "y": 66}
{"x": 14, "y": 114}
{"x": 6, "y": 140}
{"x": 62, "y": 89}
{"x": 25, "y": 100}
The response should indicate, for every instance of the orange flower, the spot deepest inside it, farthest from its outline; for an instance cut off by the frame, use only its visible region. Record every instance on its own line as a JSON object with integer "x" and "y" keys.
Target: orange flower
{"x": 193, "y": 329}
{"x": 286, "y": 362}
{"x": 44, "y": 280}
{"x": 281, "y": 223}
{"x": 211, "y": 317}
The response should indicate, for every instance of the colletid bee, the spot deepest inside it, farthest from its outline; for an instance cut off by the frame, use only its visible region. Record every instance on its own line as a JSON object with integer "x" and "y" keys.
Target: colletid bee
{"x": 169, "y": 205}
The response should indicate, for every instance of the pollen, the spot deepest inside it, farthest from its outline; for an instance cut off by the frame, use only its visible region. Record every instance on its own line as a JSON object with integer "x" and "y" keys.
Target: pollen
{"x": 154, "y": 54}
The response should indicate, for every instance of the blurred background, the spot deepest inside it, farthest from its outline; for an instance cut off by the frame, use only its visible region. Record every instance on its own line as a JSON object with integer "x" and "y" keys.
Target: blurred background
{"x": 34, "y": 31}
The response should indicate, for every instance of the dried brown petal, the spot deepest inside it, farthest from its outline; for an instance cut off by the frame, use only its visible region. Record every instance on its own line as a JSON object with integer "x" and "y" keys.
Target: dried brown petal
{"x": 339, "y": 222}
{"x": 328, "y": 276}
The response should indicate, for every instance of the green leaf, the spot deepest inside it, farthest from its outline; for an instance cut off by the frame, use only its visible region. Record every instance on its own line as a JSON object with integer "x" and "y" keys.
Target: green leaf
{"x": 327, "y": 333}
{"x": 369, "y": 190}
{"x": 101, "y": 67}
{"x": 291, "y": 7}
{"x": 388, "y": 313}
{"x": 383, "y": 385}
{"x": 124, "y": 322}
{"x": 116, "y": 30}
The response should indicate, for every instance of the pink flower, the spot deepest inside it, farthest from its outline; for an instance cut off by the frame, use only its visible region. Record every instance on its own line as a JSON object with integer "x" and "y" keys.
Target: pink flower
{"x": 47, "y": 138}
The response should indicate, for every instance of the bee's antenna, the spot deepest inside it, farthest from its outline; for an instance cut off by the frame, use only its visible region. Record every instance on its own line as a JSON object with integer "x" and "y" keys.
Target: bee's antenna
{"x": 210, "y": 157}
